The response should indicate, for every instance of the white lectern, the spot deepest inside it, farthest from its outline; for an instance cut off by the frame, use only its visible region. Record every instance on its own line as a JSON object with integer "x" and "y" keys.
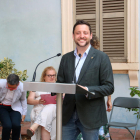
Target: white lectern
{"x": 56, "y": 88}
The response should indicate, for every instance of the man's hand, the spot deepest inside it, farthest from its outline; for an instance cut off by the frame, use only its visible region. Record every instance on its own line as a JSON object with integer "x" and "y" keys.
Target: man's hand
{"x": 109, "y": 105}
{"x": 23, "y": 118}
{"x": 63, "y": 95}
{"x": 83, "y": 87}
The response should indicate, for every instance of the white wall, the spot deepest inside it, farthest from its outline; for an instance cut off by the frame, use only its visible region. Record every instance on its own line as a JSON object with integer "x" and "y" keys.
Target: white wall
{"x": 30, "y": 32}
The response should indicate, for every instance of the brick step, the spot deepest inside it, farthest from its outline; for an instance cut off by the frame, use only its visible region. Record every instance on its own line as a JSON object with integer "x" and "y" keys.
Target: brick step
{"x": 24, "y": 127}
{"x": 116, "y": 134}
{"x": 24, "y": 137}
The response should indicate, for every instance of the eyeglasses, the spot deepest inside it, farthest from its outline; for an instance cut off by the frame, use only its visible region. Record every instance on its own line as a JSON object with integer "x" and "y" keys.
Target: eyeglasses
{"x": 51, "y": 76}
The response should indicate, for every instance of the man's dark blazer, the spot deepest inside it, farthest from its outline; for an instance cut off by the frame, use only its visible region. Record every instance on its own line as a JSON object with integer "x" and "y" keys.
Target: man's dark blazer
{"x": 96, "y": 74}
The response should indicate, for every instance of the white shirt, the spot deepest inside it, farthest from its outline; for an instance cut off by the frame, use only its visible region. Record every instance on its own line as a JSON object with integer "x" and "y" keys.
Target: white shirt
{"x": 8, "y": 98}
{"x": 19, "y": 102}
{"x": 81, "y": 62}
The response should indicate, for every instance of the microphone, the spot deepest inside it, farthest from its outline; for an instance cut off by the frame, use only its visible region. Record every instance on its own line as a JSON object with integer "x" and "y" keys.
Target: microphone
{"x": 34, "y": 75}
{"x": 75, "y": 68}
{"x": 58, "y": 54}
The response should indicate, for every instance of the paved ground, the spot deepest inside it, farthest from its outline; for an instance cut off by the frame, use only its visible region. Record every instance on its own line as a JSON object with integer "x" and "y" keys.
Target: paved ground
{"x": 116, "y": 134}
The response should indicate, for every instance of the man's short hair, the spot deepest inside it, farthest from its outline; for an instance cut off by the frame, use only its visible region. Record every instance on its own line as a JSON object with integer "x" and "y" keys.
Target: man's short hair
{"x": 82, "y": 22}
{"x": 13, "y": 79}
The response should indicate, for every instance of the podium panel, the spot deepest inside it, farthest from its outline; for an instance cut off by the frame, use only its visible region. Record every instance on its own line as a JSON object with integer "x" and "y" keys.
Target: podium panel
{"x": 50, "y": 87}
{"x": 58, "y": 88}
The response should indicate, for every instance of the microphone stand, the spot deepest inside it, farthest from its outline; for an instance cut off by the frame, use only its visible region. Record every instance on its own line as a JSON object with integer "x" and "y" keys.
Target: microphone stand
{"x": 34, "y": 75}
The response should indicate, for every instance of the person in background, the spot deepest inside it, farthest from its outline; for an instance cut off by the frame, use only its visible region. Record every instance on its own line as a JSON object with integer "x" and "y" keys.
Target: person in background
{"x": 43, "y": 117}
{"x": 85, "y": 113}
{"x": 96, "y": 44}
{"x": 13, "y": 106}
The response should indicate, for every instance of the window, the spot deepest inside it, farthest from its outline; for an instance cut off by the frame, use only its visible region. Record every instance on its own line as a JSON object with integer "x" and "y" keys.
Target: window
{"x": 115, "y": 22}
{"x": 107, "y": 19}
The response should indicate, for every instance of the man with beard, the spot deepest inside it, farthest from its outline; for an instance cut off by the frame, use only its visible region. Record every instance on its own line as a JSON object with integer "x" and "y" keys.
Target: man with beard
{"x": 85, "y": 113}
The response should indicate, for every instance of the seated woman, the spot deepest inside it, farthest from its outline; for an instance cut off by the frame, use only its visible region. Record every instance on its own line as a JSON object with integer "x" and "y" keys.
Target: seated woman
{"x": 43, "y": 117}
{"x": 13, "y": 106}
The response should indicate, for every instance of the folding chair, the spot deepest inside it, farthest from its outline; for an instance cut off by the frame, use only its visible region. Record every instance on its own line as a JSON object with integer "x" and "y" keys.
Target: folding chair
{"x": 125, "y": 102}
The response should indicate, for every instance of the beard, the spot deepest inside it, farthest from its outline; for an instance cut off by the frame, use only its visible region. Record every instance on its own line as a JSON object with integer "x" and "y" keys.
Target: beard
{"x": 83, "y": 45}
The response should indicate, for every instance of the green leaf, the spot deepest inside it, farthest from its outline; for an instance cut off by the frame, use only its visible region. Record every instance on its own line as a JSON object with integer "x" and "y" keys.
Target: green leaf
{"x": 7, "y": 67}
{"x": 134, "y": 91}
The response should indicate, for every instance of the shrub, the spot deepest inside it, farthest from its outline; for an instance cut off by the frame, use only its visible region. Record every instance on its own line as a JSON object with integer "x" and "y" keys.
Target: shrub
{"x": 7, "y": 67}
{"x": 134, "y": 91}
